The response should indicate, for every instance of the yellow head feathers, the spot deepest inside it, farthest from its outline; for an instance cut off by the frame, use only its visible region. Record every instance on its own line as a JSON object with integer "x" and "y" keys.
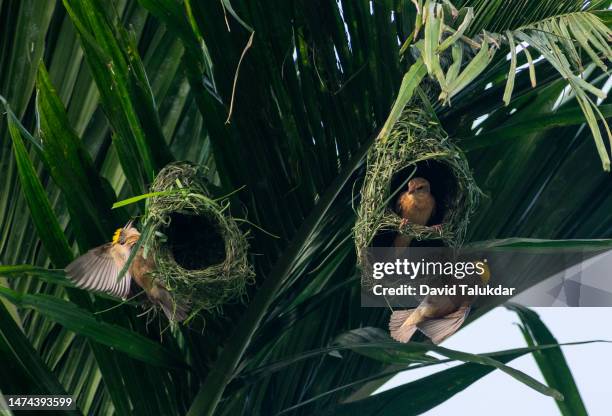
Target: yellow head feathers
{"x": 117, "y": 235}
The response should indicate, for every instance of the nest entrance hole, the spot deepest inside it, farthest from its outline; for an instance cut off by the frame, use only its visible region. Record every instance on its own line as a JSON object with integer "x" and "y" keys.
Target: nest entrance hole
{"x": 386, "y": 238}
{"x": 441, "y": 179}
{"x": 383, "y": 238}
{"x": 195, "y": 241}
{"x": 443, "y": 188}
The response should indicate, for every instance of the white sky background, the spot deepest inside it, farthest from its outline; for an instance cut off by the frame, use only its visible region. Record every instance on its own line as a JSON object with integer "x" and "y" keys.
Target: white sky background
{"x": 499, "y": 394}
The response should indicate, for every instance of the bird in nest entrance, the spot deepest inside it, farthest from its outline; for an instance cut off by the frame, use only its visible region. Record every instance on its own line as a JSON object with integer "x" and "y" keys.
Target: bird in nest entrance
{"x": 416, "y": 206}
{"x": 98, "y": 270}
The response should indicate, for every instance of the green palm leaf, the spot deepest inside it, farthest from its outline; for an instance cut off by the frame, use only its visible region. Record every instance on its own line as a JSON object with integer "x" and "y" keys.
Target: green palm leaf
{"x": 552, "y": 363}
{"x": 120, "y": 83}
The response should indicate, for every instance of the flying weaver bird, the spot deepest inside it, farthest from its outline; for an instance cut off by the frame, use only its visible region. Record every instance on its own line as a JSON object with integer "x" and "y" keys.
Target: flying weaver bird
{"x": 416, "y": 206}
{"x": 437, "y": 316}
{"x": 98, "y": 270}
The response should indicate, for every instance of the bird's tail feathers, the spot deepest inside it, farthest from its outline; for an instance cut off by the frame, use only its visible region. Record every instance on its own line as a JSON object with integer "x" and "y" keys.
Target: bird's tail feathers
{"x": 401, "y": 326}
{"x": 174, "y": 311}
{"x": 439, "y": 329}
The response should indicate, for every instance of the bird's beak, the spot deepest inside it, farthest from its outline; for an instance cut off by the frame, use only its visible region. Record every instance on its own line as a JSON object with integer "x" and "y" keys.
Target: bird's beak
{"x": 129, "y": 224}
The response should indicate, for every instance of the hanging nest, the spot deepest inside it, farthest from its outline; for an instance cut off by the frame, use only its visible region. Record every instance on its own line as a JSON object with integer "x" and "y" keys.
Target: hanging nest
{"x": 416, "y": 146}
{"x": 201, "y": 256}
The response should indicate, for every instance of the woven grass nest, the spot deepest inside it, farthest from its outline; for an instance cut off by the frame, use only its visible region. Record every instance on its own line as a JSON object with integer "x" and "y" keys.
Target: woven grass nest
{"x": 202, "y": 257}
{"x": 416, "y": 146}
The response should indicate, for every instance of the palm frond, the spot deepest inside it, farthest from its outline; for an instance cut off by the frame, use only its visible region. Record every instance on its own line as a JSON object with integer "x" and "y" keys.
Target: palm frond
{"x": 552, "y": 362}
{"x": 128, "y": 79}
{"x": 558, "y": 40}
{"x": 501, "y": 16}
{"x": 566, "y": 41}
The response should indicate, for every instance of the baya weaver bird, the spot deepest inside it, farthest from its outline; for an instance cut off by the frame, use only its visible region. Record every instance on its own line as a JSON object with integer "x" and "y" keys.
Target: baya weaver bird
{"x": 98, "y": 271}
{"x": 437, "y": 316}
{"x": 416, "y": 206}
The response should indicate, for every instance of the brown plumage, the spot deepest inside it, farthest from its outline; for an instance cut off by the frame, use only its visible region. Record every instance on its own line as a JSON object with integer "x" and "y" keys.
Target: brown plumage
{"x": 416, "y": 206}
{"x": 98, "y": 270}
{"x": 438, "y": 317}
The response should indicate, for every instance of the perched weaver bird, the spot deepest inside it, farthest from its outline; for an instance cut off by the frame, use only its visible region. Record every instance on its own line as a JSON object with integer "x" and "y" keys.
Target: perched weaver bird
{"x": 416, "y": 206}
{"x": 437, "y": 316}
{"x": 98, "y": 270}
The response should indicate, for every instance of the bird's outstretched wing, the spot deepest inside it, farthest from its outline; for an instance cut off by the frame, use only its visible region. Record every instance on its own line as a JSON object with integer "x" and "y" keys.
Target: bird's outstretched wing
{"x": 439, "y": 329}
{"x": 97, "y": 271}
